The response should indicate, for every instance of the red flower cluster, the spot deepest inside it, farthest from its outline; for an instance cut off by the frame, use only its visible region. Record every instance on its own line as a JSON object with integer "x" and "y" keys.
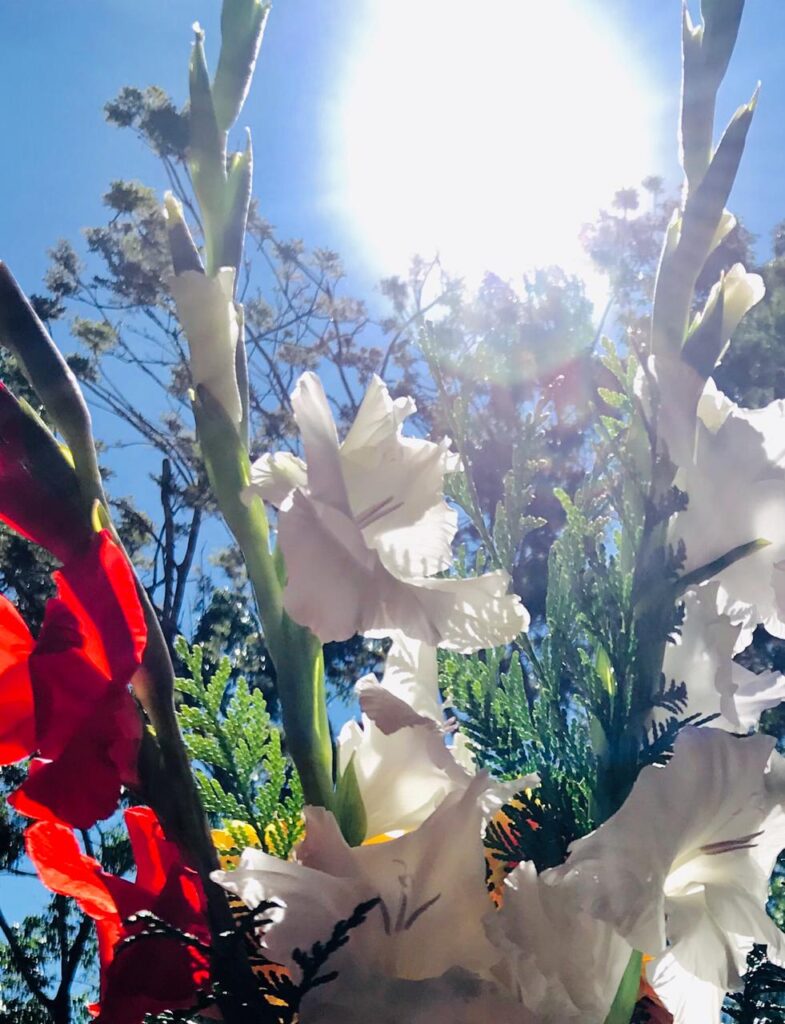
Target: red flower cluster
{"x": 65, "y": 698}
{"x": 142, "y": 971}
{"x": 66, "y": 695}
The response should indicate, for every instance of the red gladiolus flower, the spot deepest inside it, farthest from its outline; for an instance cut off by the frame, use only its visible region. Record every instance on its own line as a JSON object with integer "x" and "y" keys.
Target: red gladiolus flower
{"x": 66, "y": 695}
{"x": 39, "y": 492}
{"x": 140, "y": 972}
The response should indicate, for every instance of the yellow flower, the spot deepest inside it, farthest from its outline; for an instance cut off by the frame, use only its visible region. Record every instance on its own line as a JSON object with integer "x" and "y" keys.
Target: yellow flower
{"x": 226, "y": 846}
{"x": 237, "y": 836}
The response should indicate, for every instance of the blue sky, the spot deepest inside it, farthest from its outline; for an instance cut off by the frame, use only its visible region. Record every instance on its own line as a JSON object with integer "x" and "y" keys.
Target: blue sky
{"x": 60, "y": 61}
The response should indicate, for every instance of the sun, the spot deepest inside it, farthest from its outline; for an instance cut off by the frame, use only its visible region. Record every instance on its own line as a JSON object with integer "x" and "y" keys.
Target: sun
{"x": 488, "y": 132}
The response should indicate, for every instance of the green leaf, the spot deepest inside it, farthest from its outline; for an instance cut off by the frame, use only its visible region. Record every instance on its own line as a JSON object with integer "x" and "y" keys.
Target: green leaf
{"x": 348, "y": 808}
{"x": 627, "y": 994}
{"x": 706, "y": 341}
{"x": 615, "y": 399}
{"x": 604, "y": 670}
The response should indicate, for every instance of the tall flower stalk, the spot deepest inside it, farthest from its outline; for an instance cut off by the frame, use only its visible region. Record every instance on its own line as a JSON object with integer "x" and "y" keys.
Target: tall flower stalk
{"x": 204, "y": 291}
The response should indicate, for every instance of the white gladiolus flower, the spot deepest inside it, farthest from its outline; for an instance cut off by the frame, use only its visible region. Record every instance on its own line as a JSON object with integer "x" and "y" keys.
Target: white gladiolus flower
{"x": 362, "y": 538}
{"x": 403, "y": 767}
{"x": 431, "y": 884}
{"x": 736, "y": 490}
{"x": 680, "y": 383}
{"x": 682, "y": 869}
{"x": 565, "y": 965}
{"x": 402, "y": 776}
{"x": 702, "y": 657}
{"x": 209, "y": 318}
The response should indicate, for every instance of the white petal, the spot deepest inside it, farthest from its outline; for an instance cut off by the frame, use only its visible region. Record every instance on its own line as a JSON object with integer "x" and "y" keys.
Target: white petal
{"x": 377, "y": 422}
{"x": 274, "y": 477}
{"x": 741, "y": 291}
{"x": 338, "y": 587}
{"x": 714, "y": 407}
{"x": 462, "y": 615}
{"x": 388, "y": 712}
{"x": 566, "y": 965}
{"x": 403, "y": 766}
{"x": 395, "y": 485}
{"x": 330, "y": 572}
{"x": 686, "y": 997}
{"x": 411, "y": 672}
{"x": 756, "y": 694}
{"x": 432, "y": 882}
{"x": 736, "y": 490}
{"x": 313, "y": 902}
{"x": 403, "y": 776}
{"x": 206, "y": 310}
{"x": 664, "y": 839}
{"x": 320, "y": 442}
{"x": 701, "y": 657}
{"x": 420, "y": 549}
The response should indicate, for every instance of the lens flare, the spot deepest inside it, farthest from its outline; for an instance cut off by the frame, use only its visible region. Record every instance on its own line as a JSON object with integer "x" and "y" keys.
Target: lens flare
{"x": 487, "y": 132}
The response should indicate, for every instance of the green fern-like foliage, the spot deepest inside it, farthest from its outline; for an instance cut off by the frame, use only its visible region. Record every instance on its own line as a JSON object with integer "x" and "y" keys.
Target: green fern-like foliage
{"x": 243, "y": 775}
{"x": 574, "y": 700}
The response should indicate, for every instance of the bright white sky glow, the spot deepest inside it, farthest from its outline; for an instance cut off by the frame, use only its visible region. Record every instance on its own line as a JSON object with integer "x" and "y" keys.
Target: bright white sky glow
{"x": 488, "y": 131}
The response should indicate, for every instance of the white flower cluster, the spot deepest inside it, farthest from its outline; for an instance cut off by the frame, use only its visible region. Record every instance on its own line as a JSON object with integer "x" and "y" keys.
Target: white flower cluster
{"x": 679, "y": 874}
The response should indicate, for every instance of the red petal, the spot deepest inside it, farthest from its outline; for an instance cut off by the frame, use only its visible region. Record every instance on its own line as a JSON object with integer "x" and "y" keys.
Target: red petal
{"x": 17, "y": 719}
{"x": 82, "y": 784}
{"x": 64, "y": 869}
{"x": 183, "y": 903}
{"x": 100, "y": 588}
{"x": 15, "y": 639}
{"x": 151, "y": 976}
{"x": 62, "y": 791}
{"x": 179, "y": 896}
{"x": 67, "y": 685}
{"x": 155, "y": 856}
{"x": 154, "y": 974}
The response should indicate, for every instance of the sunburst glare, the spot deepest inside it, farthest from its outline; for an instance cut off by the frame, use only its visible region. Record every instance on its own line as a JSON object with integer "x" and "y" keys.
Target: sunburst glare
{"x": 489, "y": 133}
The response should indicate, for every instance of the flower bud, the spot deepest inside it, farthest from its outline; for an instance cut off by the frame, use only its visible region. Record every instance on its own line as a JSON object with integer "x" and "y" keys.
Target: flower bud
{"x": 730, "y": 298}
{"x": 209, "y": 317}
{"x": 242, "y": 26}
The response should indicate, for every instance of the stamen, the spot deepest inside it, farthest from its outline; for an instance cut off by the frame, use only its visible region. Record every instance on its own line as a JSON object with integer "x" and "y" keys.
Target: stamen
{"x": 378, "y": 511}
{"x": 421, "y": 910}
{"x": 731, "y": 845}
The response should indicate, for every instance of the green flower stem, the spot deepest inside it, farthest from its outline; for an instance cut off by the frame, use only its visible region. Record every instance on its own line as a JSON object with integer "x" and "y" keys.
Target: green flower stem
{"x": 296, "y": 653}
{"x": 223, "y": 192}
